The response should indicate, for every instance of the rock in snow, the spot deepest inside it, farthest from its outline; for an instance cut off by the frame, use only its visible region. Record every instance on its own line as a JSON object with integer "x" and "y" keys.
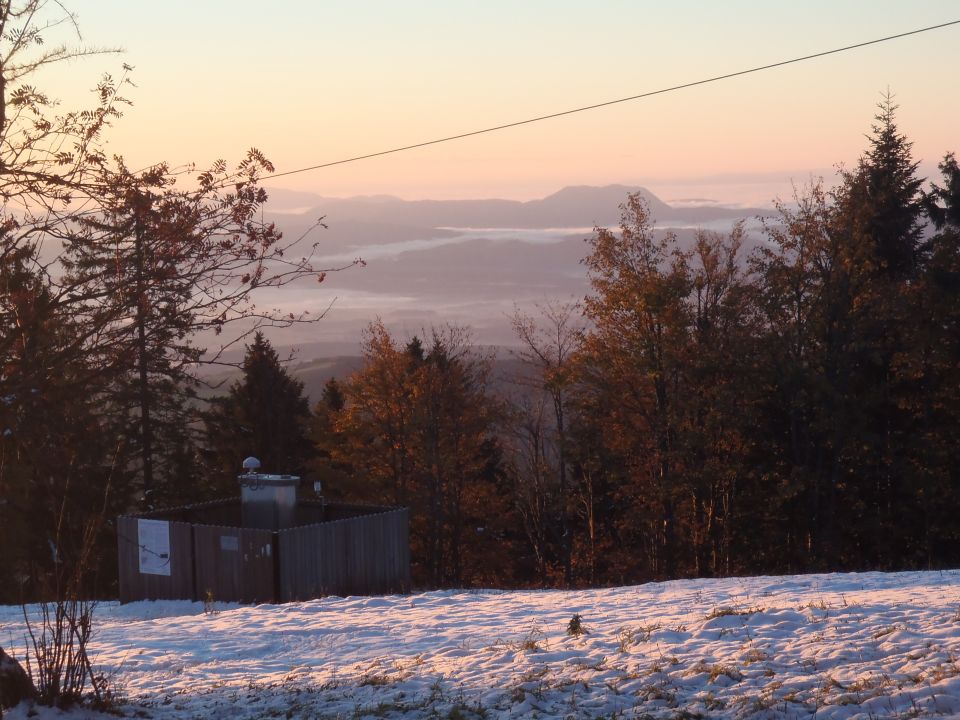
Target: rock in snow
{"x": 14, "y": 683}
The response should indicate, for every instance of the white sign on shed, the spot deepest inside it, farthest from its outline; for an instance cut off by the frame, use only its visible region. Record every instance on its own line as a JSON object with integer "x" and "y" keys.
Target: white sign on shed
{"x": 153, "y": 537}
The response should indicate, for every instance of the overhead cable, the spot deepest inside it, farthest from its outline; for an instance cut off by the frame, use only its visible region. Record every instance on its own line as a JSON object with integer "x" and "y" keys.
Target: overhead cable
{"x": 607, "y": 103}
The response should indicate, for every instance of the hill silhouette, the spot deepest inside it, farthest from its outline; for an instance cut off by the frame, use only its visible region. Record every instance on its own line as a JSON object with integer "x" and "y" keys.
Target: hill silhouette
{"x": 576, "y": 207}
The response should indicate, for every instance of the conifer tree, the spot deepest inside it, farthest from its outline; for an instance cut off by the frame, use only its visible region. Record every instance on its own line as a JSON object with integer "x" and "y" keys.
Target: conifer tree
{"x": 933, "y": 363}
{"x": 879, "y": 218}
{"x": 883, "y": 199}
{"x": 330, "y": 464}
{"x": 155, "y": 267}
{"x": 839, "y": 292}
{"x": 265, "y": 414}
{"x": 58, "y": 449}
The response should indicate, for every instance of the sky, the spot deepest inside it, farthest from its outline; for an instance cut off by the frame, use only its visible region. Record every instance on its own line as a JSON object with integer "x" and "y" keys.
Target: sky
{"x": 314, "y": 82}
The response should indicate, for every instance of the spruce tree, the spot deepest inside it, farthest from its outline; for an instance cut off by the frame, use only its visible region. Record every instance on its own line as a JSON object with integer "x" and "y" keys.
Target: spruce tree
{"x": 265, "y": 414}
{"x": 880, "y": 218}
{"x": 330, "y": 465}
{"x": 884, "y": 193}
{"x": 934, "y": 362}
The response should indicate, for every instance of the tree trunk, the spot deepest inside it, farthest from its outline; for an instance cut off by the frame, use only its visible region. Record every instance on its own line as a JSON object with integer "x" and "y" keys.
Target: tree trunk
{"x": 143, "y": 386}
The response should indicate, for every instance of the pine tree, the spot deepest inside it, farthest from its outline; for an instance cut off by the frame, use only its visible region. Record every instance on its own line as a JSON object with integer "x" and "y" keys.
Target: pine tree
{"x": 58, "y": 449}
{"x": 883, "y": 197}
{"x": 62, "y": 462}
{"x": 330, "y": 464}
{"x": 840, "y": 292}
{"x": 879, "y": 217}
{"x": 934, "y": 364}
{"x": 154, "y": 267}
{"x": 265, "y": 414}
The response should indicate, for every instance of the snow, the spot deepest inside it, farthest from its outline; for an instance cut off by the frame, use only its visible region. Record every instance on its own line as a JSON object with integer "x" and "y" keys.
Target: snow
{"x": 868, "y": 645}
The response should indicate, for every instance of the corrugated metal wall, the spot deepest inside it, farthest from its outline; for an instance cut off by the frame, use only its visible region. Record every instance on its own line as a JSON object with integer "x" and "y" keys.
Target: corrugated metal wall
{"x": 356, "y": 556}
{"x": 361, "y": 554}
{"x": 134, "y": 585}
{"x": 234, "y": 564}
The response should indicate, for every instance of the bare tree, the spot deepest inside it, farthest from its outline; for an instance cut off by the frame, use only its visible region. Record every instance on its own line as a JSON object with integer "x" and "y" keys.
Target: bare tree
{"x": 154, "y": 267}
{"x": 549, "y": 343}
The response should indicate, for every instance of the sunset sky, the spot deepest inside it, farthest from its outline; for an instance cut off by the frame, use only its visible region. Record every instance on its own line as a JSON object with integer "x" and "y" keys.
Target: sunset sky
{"x": 313, "y": 82}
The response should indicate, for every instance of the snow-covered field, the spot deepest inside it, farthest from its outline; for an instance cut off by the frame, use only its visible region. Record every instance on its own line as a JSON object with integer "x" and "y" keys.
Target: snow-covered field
{"x": 868, "y": 645}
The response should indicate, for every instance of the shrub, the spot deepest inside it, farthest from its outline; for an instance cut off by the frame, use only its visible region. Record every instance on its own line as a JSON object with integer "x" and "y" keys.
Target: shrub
{"x": 58, "y": 632}
{"x": 575, "y": 627}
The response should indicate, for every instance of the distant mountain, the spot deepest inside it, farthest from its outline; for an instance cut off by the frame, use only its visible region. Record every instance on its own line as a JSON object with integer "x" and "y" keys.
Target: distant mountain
{"x": 580, "y": 206}
{"x": 468, "y": 262}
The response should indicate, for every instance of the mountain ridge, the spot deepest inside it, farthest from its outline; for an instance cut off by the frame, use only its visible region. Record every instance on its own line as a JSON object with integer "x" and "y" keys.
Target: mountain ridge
{"x": 571, "y": 206}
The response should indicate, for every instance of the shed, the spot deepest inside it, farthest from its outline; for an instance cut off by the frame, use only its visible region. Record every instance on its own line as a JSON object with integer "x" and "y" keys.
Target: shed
{"x": 267, "y": 546}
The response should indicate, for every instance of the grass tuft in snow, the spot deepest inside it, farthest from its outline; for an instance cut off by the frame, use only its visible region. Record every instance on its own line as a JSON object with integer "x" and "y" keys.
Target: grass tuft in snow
{"x": 721, "y": 612}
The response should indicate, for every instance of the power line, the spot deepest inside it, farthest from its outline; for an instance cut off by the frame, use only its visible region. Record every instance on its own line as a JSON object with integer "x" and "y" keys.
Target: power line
{"x": 651, "y": 93}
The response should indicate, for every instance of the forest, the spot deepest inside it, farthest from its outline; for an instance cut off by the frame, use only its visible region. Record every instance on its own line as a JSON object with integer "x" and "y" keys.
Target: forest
{"x": 703, "y": 411}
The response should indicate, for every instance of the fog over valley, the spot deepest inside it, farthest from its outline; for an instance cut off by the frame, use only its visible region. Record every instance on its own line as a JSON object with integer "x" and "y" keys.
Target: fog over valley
{"x": 466, "y": 262}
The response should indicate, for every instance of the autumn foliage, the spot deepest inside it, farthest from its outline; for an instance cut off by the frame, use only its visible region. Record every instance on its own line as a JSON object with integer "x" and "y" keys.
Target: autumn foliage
{"x": 704, "y": 410}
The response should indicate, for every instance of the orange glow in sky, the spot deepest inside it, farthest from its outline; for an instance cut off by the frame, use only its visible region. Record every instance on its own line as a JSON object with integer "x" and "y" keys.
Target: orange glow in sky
{"x": 309, "y": 83}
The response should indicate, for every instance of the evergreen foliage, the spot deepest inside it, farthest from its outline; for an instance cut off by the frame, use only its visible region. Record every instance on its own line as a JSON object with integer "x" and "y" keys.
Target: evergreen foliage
{"x": 699, "y": 413}
{"x": 107, "y": 278}
{"x": 265, "y": 414}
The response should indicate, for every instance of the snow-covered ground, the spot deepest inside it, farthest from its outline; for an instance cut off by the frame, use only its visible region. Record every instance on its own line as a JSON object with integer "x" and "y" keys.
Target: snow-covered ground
{"x": 868, "y": 645}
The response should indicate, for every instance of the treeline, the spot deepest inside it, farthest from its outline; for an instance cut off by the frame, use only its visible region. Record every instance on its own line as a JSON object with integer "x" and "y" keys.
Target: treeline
{"x": 703, "y": 411}
{"x": 108, "y": 277}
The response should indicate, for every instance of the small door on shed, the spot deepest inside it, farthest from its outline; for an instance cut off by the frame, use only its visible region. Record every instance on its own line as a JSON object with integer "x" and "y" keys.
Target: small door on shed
{"x": 258, "y": 557}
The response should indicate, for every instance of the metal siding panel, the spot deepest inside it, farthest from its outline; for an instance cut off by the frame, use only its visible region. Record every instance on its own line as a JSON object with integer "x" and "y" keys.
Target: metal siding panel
{"x": 218, "y": 571}
{"x": 257, "y": 557}
{"x": 365, "y": 551}
{"x": 134, "y": 585}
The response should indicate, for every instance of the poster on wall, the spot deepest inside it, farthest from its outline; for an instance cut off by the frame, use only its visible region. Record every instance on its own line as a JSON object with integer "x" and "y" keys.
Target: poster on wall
{"x": 153, "y": 537}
